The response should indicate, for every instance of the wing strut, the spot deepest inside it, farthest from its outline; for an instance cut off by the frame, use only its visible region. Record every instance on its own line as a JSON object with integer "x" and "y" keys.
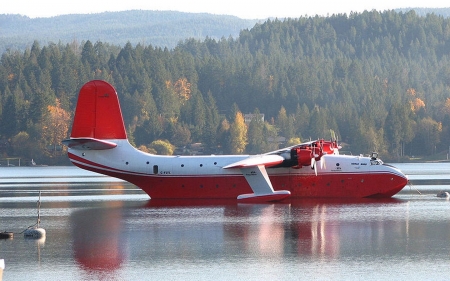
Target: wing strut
{"x": 259, "y": 181}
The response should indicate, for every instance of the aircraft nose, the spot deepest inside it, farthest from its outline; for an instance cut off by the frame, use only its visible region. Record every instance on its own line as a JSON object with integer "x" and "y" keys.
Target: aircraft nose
{"x": 399, "y": 180}
{"x": 403, "y": 179}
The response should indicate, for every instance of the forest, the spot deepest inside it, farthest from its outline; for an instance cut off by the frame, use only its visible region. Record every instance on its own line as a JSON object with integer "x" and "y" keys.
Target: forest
{"x": 378, "y": 81}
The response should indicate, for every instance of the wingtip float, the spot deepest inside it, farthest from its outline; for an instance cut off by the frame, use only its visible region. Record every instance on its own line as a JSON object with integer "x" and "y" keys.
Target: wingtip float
{"x": 99, "y": 143}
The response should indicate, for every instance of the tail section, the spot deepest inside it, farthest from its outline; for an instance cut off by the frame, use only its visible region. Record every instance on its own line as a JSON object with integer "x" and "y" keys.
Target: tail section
{"x": 98, "y": 115}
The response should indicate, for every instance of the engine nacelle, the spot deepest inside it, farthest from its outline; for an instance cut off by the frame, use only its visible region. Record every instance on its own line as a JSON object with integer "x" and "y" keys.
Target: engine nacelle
{"x": 304, "y": 156}
{"x": 330, "y": 147}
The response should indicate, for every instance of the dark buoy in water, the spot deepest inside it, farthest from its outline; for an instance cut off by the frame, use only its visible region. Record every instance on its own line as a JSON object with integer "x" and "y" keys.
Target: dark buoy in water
{"x": 6, "y": 235}
{"x": 36, "y": 232}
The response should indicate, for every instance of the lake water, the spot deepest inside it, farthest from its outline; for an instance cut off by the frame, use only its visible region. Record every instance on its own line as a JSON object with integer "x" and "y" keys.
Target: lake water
{"x": 100, "y": 228}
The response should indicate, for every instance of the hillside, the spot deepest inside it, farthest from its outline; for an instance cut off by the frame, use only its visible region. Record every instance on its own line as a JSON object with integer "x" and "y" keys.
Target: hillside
{"x": 445, "y": 12}
{"x": 157, "y": 28}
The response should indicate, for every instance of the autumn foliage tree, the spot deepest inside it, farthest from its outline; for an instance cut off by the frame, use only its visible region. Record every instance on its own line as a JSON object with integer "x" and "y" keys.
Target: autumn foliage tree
{"x": 55, "y": 126}
{"x": 162, "y": 147}
{"x": 238, "y": 131}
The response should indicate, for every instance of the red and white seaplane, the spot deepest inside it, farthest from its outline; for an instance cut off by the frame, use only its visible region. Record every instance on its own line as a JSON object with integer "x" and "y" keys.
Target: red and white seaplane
{"x": 99, "y": 143}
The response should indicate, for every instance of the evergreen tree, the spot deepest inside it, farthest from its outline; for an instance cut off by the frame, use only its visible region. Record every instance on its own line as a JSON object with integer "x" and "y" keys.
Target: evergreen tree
{"x": 224, "y": 137}
{"x": 318, "y": 127}
{"x": 256, "y": 139}
{"x": 9, "y": 120}
{"x": 211, "y": 122}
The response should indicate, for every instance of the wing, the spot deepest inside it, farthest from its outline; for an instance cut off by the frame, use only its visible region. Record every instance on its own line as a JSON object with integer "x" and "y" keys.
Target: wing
{"x": 254, "y": 171}
{"x": 88, "y": 144}
{"x": 264, "y": 160}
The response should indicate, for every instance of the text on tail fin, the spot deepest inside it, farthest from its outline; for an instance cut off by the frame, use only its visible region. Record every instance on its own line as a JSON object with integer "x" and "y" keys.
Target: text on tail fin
{"x": 98, "y": 113}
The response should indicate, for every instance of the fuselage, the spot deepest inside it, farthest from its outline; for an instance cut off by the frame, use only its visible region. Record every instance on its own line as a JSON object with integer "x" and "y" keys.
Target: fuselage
{"x": 204, "y": 176}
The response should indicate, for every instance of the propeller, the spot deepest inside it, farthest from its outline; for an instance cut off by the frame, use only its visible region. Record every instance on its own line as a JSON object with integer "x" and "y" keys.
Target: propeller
{"x": 309, "y": 154}
{"x": 316, "y": 155}
{"x": 334, "y": 140}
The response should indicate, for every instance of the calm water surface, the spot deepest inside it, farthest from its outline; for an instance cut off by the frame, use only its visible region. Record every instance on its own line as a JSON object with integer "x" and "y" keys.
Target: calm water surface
{"x": 99, "y": 228}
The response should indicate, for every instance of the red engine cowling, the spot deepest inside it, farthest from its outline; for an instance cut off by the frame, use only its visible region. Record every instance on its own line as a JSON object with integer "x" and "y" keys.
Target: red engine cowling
{"x": 304, "y": 156}
{"x": 329, "y": 146}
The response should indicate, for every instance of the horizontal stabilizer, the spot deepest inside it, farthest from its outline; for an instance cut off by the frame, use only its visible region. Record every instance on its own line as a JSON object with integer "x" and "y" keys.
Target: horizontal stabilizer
{"x": 264, "y": 160}
{"x": 88, "y": 144}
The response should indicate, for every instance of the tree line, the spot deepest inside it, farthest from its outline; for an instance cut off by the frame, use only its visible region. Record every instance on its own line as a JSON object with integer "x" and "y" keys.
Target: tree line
{"x": 379, "y": 80}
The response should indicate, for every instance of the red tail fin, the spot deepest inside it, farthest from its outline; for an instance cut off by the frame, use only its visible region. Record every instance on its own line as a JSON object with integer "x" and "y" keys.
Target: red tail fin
{"x": 98, "y": 113}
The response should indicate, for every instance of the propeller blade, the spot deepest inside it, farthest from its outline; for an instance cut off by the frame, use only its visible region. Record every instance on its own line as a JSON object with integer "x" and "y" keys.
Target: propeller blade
{"x": 322, "y": 163}
{"x": 313, "y": 165}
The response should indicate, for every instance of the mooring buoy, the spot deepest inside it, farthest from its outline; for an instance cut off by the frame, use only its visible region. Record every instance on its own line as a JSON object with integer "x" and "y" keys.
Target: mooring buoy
{"x": 35, "y": 232}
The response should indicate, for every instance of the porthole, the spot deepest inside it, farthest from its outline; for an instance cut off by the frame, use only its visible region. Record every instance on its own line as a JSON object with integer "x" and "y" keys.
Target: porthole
{"x": 215, "y": 163}
{"x": 148, "y": 162}
{"x": 182, "y": 165}
{"x": 201, "y": 165}
{"x": 126, "y": 163}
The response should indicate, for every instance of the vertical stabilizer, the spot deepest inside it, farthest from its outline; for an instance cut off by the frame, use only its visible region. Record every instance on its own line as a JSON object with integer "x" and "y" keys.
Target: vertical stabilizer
{"x": 98, "y": 113}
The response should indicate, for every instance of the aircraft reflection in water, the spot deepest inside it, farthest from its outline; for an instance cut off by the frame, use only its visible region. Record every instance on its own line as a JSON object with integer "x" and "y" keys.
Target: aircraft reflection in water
{"x": 106, "y": 238}
{"x": 99, "y": 244}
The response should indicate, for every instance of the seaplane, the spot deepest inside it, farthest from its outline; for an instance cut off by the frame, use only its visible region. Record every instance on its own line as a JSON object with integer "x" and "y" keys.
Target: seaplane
{"x": 99, "y": 143}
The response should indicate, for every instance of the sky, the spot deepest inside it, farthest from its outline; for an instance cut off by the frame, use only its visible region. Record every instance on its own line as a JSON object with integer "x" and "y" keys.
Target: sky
{"x": 246, "y": 9}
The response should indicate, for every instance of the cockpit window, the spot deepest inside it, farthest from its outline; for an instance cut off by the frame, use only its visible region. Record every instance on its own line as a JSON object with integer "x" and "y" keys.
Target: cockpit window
{"x": 376, "y": 162}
